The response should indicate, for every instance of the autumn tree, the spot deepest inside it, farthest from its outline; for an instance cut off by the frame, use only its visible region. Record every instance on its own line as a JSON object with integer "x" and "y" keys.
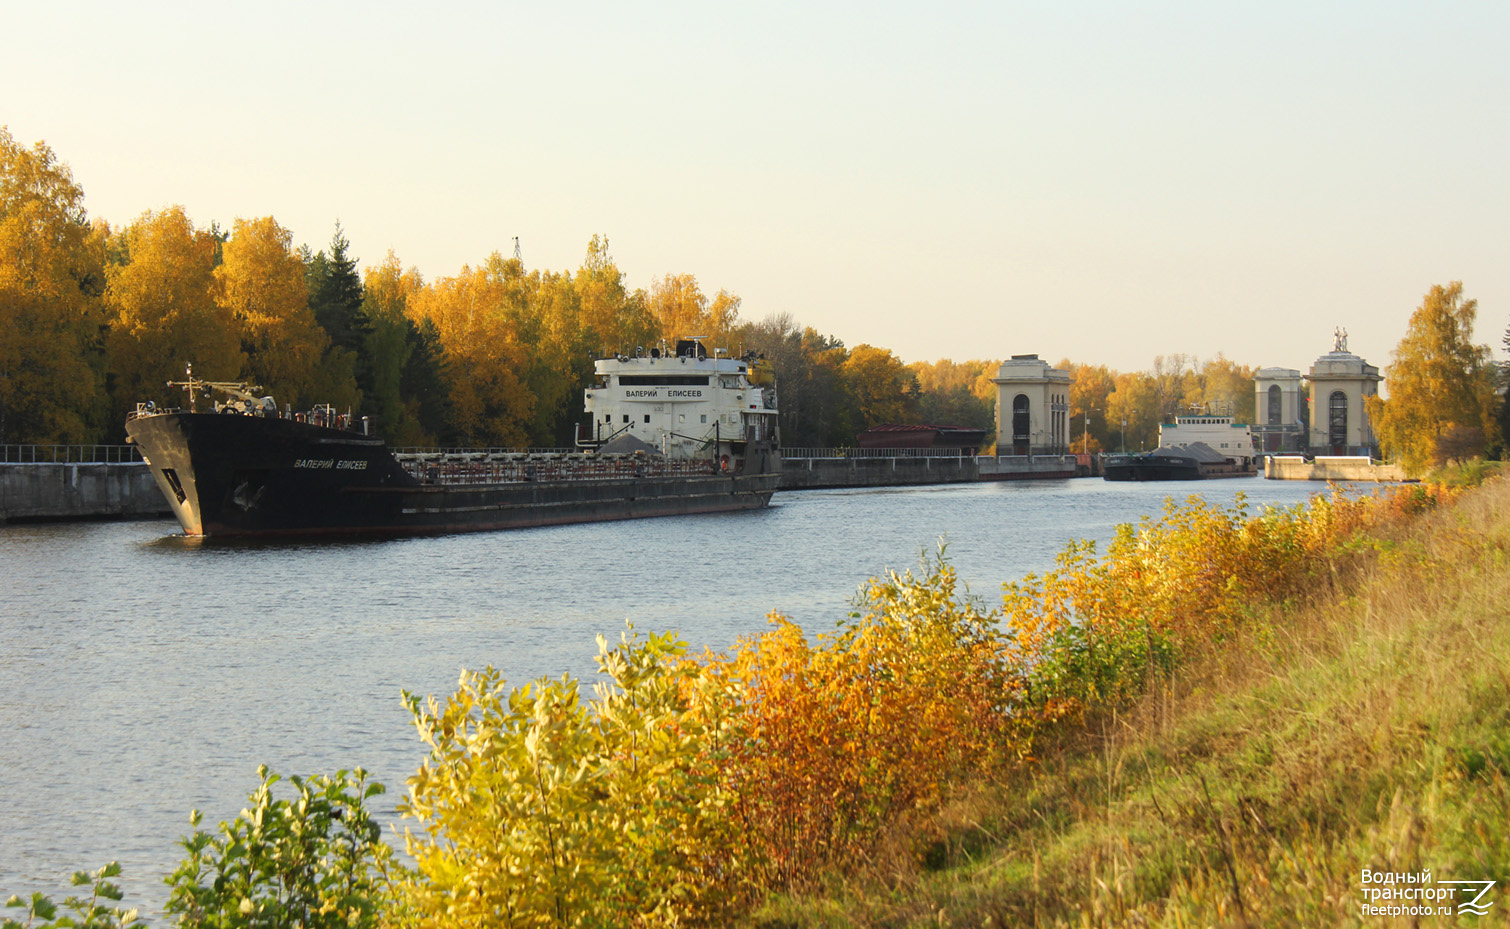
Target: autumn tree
{"x": 1168, "y": 382}
{"x": 613, "y": 317}
{"x": 51, "y": 279}
{"x": 1225, "y": 387}
{"x": 1133, "y": 411}
{"x": 1442, "y": 391}
{"x": 883, "y": 388}
{"x": 408, "y": 395}
{"x": 561, "y": 363}
{"x": 949, "y": 394}
{"x": 160, "y": 297}
{"x": 1091, "y": 389}
{"x": 680, "y": 309}
{"x": 815, "y": 408}
{"x": 475, "y": 316}
{"x": 570, "y": 322}
{"x": 261, "y": 283}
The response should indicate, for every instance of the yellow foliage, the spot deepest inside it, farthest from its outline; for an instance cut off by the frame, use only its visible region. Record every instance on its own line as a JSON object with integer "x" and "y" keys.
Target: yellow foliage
{"x": 163, "y": 311}
{"x": 261, "y": 283}
{"x": 478, "y": 313}
{"x": 51, "y": 270}
{"x": 1442, "y": 387}
{"x": 541, "y": 810}
{"x": 884, "y": 389}
{"x": 681, "y": 310}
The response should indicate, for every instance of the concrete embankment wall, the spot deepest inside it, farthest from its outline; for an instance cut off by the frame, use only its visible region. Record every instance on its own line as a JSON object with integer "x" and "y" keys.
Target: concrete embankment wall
{"x": 78, "y": 491}
{"x": 804, "y": 473}
{"x": 1033, "y": 467}
{"x": 1285, "y": 468}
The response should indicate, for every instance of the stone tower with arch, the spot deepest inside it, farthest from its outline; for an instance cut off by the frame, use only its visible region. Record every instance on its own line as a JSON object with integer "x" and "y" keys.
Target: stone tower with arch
{"x": 1340, "y": 381}
{"x": 1279, "y": 421}
{"x": 1032, "y": 407}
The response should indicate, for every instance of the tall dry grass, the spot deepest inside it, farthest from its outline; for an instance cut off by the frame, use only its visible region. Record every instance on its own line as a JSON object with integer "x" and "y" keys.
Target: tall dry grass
{"x": 1362, "y": 721}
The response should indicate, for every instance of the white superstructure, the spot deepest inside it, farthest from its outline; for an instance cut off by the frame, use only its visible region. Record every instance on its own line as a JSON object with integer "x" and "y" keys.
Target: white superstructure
{"x": 1230, "y": 439}
{"x": 684, "y": 403}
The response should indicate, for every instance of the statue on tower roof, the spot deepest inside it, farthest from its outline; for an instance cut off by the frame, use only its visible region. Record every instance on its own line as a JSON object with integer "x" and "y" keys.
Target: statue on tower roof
{"x": 1339, "y": 339}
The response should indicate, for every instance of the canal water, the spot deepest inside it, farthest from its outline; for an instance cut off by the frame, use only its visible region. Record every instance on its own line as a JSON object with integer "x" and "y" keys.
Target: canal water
{"x": 144, "y": 675}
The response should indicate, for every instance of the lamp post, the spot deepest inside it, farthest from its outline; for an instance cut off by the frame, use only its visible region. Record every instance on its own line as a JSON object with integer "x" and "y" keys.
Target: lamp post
{"x": 1124, "y": 435}
{"x": 1085, "y": 434}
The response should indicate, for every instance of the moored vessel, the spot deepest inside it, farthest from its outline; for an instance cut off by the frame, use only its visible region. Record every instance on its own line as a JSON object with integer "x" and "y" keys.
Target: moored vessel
{"x": 669, "y": 433}
{"x": 1150, "y": 466}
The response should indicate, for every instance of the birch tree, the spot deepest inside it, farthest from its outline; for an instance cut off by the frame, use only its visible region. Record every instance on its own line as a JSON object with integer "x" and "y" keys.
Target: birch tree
{"x": 1443, "y": 402}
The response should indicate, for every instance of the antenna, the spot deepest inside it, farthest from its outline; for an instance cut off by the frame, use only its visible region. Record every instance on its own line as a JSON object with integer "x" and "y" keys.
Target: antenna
{"x": 517, "y": 255}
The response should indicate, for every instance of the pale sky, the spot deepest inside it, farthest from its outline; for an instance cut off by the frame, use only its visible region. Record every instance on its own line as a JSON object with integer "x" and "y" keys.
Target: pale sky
{"x": 1099, "y": 181}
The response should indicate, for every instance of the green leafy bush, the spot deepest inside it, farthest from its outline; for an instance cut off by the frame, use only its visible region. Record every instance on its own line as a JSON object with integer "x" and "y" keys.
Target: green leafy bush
{"x": 314, "y": 860}
{"x": 86, "y": 913}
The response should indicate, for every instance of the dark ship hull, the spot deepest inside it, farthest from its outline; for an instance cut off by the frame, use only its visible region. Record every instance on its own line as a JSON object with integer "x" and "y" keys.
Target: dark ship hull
{"x": 234, "y": 475}
{"x": 1151, "y": 468}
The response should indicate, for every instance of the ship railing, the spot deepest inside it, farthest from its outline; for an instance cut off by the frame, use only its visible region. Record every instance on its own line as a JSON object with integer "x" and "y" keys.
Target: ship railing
{"x": 69, "y": 454}
{"x": 789, "y": 454}
{"x": 431, "y": 452}
{"x": 505, "y": 466}
{"x": 1033, "y": 451}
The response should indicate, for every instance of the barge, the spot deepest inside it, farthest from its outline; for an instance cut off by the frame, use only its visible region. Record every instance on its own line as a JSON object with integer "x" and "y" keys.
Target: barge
{"x": 1150, "y": 466}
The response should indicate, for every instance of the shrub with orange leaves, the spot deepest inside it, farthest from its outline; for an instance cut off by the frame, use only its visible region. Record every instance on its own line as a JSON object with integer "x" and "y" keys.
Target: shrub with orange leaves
{"x": 843, "y": 733}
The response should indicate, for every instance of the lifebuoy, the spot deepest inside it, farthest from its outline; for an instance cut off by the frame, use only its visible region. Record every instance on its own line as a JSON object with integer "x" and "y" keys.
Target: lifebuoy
{"x": 724, "y": 463}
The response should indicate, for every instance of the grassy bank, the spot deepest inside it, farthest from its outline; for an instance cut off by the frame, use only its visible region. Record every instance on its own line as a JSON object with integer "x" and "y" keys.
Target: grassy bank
{"x": 1361, "y": 722}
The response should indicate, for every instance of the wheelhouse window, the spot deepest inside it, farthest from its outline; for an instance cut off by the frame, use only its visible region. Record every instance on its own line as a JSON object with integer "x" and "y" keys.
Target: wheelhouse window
{"x": 663, "y": 380}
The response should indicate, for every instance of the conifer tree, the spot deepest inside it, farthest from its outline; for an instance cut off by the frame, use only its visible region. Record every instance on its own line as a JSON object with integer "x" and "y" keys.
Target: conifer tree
{"x": 423, "y": 383}
{"x": 335, "y": 296}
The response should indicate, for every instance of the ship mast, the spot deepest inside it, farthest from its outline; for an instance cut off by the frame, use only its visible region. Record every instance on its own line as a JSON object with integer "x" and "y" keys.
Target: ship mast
{"x": 241, "y": 390}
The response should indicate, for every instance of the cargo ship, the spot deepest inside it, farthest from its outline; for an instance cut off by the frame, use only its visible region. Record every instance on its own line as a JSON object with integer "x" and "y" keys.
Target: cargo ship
{"x": 1195, "y": 446}
{"x": 667, "y": 432}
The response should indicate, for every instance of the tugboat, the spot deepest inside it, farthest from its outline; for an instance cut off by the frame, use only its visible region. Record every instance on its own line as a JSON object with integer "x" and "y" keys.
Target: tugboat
{"x": 669, "y": 432}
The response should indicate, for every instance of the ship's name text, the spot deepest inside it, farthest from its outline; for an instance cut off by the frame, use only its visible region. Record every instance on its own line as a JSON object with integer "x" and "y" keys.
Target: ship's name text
{"x": 341, "y": 465}
{"x": 670, "y": 394}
